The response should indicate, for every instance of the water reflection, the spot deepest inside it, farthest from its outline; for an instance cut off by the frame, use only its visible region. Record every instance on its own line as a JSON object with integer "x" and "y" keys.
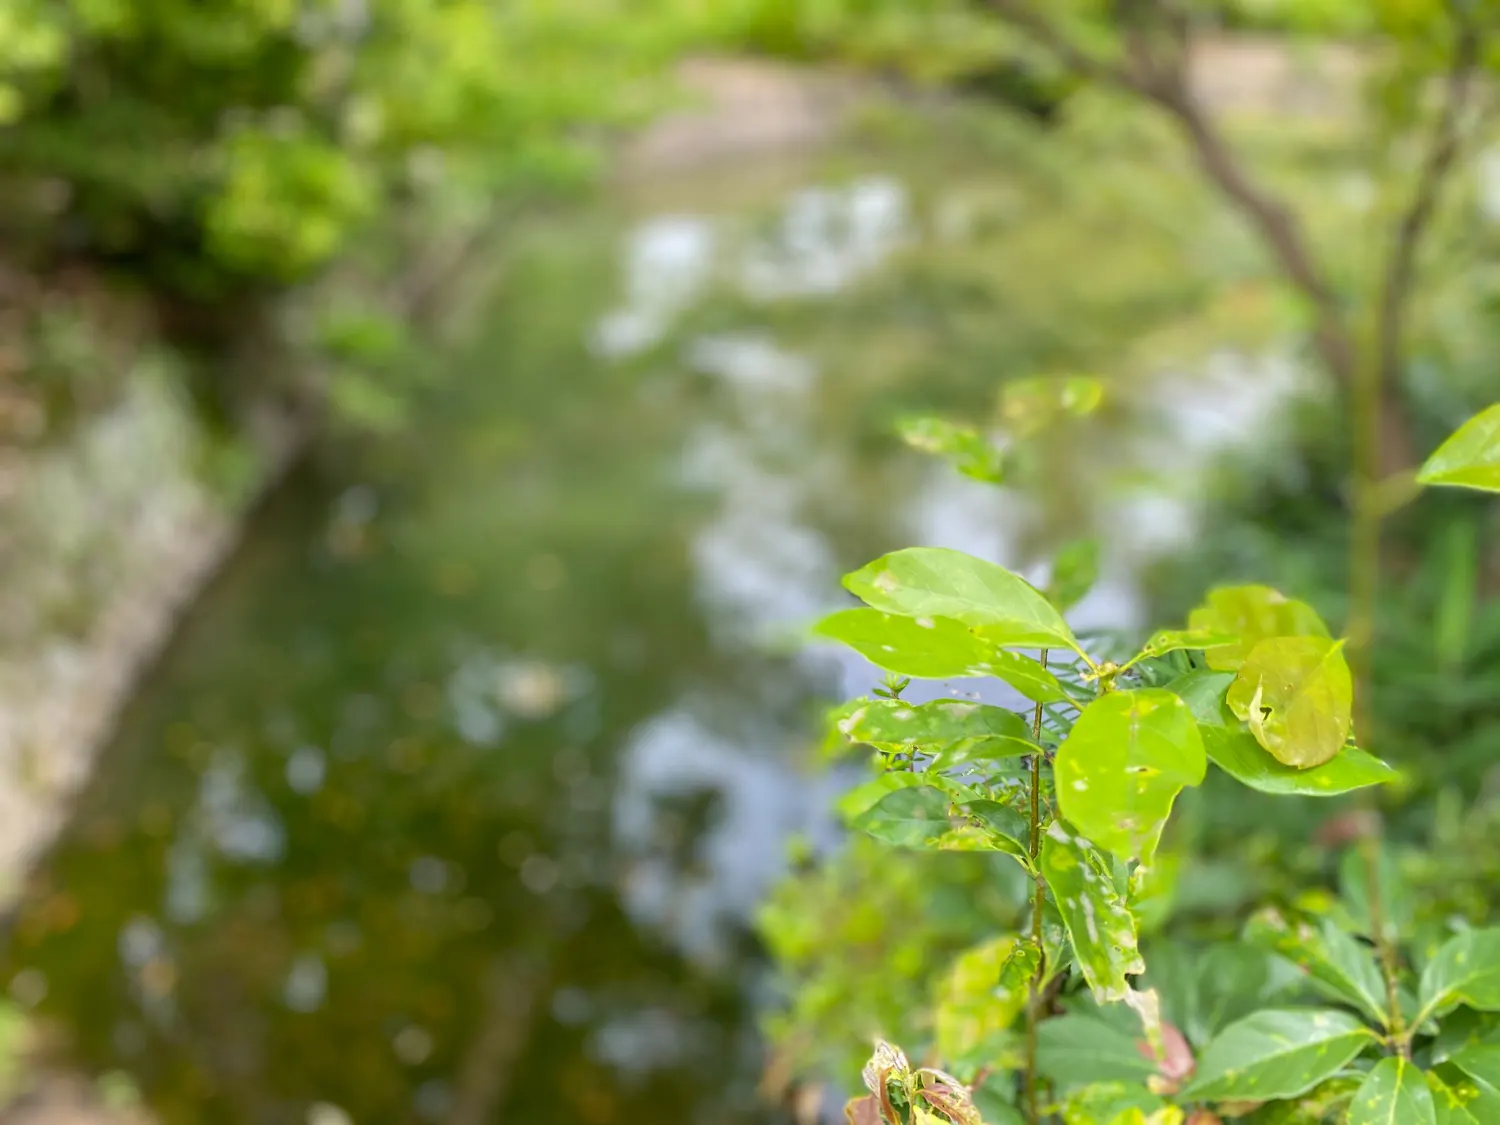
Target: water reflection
{"x": 453, "y": 800}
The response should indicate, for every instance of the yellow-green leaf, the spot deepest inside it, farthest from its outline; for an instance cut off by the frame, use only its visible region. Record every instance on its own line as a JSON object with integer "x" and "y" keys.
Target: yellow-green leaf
{"x": 1471, "y": 457}
{"x": 1296, "y": 694}
{"x": 933, "y": 582}
{"x": 1253, "y": 614}
{"x": 980, "y": 997}
{"x": 1124, "y": 762}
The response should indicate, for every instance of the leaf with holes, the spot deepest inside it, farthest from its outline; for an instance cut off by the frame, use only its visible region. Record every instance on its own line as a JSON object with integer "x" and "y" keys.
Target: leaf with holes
{"x": 1124, "y": 762}
{"x": 1100, "y": 926}
{"x": 1296, "y": 694}
{"x": 1471, "y": 457}
{"x": 1394, "y": 1093}
{"x": 1253, "y": 614}
{"x": 1276, "y": 1054}
{"x": 1465, "y": 970}
{"x": 933, "y": 582}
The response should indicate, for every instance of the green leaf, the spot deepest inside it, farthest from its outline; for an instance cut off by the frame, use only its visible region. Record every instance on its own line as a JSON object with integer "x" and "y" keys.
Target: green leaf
{"x": 1203, "y": 691}
{"x": 1276, "y": 1054}
{"x": 963, "y": 446}
{"x": 933, "y": 582}
{"x": 894, "y": 721}
{"x": 1394, "y": 1093}
{"x": 1480, "y": 1062}
{"x": 1027, "y": 676}
{"x": 1075, "y": 569}
{"x": 931, "y": 649}
{"x": 864, "y": 797}
{"x": 1109, "y": 1103}
{"x": 1334, "y": 961}
{"x": 1464, "y": 1028}
{"x": 1323, "y": 1104}
{"x": 1124, "y": 762}
{"x": 1458, "y": 1099}
{"x": 1004, "y": 828}
{"x": 1237, "y": 753}
{"x": 1029, "y": 406}
{"x": 1466, "y": 970}
{"x": 1253, "y": 614}
{"x": 1185, "y": 640}
{"x": 1099, "y": 924}
{"x": 1081, "y": 1050}
{"x": 907, "y": 818}
{"x": 1470, "y": 458}
{"x": 980, "y": 997}
{"x": 1297, "y": 695}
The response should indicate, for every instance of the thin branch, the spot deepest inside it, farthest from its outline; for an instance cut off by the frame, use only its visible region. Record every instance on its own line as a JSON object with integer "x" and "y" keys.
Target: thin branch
{"x": 1167, "y": 87}
{"x": 1443, "y": 152}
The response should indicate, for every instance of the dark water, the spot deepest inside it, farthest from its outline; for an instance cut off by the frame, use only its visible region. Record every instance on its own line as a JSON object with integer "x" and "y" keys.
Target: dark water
{"x": 454, "y": 799}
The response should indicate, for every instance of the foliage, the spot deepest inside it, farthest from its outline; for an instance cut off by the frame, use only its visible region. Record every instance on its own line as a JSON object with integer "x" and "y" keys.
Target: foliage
{"x": 1078, "y": 799}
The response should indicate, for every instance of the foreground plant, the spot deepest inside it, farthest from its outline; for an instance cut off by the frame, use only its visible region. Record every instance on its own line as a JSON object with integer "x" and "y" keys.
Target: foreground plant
{"x": 1078, "y": 788}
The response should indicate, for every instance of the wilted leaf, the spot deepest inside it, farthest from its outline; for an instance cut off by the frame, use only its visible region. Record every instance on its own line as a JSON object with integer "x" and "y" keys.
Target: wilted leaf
{"x": 1394, "y": 1093}
{"x": 1471, "y": 457}
{"x": 1276, "y": 1054}
{"x": 1123, "y": 764}
{"x": 963, "y": 446}
{"x": 933, "y": 582}
{"x": 1100, "y": 925}
{"x": 1336, "y": 962}
{"x": 1253, "y": 614}
{"x": 1296, "y": 694}
{"x": 1466, "y": 970}
{"x": 863, "y": 1111}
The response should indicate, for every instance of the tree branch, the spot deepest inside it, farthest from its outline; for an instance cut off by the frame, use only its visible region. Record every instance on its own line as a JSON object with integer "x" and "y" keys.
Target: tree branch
{"x": 1444, "y": 149}
{"x": 1166, "y": 86}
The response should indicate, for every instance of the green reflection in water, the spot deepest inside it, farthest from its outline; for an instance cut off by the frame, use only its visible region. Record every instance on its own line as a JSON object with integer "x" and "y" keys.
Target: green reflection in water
{"x": 363, "y": 840}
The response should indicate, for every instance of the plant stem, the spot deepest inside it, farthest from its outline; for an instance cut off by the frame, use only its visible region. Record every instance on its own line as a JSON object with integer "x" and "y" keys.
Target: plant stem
{"x": 1038, "y": 902}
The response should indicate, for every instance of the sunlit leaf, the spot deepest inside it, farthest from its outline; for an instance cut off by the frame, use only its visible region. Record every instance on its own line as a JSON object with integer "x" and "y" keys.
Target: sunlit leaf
{"x": 931, "y": 649}
{"x": 1238, "y": 754}
{"x": 1204, "y": 691}
{"x": 963, "y": 446}
{"x": 1466, "y": 970}
{"x": 1029, "y": 406}
{"x": 1276, "y": 1054}
{"x": 1100, "y": 926}
{"x": 1458, "y": 1099}
{"x": 1027, "y": 676}
{"x": 1470, "y": 458}
{"x": 1109, "y": 1102}
{"x": 1296, "y": 693}
{"x": 1253, "y": 614}
{"x": 980, "y": 997}
{"x": 1333, "y": 960}
{"x": 865, "y": 797}
{"x": 1394, "y": 1093}
{"x": 934, "y": 582}
{"x": 1123, "y": 764}
{"x": 939, "y": 721}
{"x": 1075, "y": 569}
